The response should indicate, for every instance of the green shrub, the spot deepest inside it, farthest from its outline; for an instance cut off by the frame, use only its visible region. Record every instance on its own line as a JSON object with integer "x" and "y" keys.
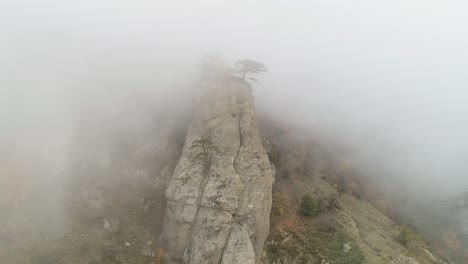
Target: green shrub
{"x": 309, "y": 206}
{"x": 283, "y": 252}
{"x": 329, "y": 245}
{"x": 359, "y": 193}
{"x": 280, "y": 203}
{"x": 342, "y": 185}
{"x": 407, "y": 235}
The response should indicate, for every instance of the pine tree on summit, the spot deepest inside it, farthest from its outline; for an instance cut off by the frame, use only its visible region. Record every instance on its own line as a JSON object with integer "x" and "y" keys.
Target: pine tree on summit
{"x": 243, "y": 67}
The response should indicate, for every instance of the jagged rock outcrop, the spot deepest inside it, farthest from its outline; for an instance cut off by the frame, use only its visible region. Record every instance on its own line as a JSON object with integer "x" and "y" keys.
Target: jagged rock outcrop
{"x": 219, "y": 196}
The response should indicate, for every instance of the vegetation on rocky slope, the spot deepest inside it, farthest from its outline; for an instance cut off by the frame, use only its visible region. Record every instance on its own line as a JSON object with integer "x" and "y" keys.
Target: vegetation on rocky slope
{"x": 322, "y": 213}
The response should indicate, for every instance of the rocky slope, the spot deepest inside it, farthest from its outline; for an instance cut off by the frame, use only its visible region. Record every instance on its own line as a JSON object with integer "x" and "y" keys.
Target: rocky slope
{"x": 219, "y": 197}
{"x": 339, "y": 224}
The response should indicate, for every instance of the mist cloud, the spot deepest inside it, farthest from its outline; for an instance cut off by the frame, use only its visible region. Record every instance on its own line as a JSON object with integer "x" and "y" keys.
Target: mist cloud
{"x": 387, "y": 78}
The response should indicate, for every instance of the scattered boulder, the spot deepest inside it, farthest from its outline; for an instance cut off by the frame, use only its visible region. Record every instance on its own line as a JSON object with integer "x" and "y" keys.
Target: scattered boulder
{"x": 147, "y": 252}
{"x": 347, "y": 247}
{"x": 429, "y": 255}
{"x": 404, "y": 260}
{"x": 111, "y": 224}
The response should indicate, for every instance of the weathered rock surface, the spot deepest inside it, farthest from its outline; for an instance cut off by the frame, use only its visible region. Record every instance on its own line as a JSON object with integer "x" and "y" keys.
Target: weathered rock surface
{"x": 219, "y": 197}
{"x": 404, "y": 260}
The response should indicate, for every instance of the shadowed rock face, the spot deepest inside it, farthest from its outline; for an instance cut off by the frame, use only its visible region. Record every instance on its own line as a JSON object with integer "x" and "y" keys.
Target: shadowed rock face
{"x": 219, "y": 197}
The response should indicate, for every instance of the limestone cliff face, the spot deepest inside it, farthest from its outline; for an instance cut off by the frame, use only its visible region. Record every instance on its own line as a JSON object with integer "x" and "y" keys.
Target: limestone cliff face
{"x": 219, "y": 197}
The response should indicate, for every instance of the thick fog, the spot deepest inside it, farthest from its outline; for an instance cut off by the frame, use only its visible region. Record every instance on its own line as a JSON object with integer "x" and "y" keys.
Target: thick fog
{"x": 388, "y": 79}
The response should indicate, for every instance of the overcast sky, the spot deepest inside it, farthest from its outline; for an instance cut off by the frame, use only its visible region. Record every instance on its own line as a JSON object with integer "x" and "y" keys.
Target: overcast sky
{"x": 389, "y": 78}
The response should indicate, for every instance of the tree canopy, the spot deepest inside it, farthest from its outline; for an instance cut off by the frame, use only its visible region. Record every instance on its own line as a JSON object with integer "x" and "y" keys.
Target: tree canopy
{"x": 243, "y": 67}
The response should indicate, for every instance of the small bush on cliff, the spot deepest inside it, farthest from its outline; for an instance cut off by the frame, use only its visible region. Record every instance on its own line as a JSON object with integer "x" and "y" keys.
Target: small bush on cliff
{"x": 309, "y": 206}
{"x": 407, "y": 235}
{"x": 243, "y": 67}
{"x": 280, "y": 203}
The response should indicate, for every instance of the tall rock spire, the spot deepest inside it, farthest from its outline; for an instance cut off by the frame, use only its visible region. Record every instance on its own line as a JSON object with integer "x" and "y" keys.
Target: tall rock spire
{"x": 219, "y": 197}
